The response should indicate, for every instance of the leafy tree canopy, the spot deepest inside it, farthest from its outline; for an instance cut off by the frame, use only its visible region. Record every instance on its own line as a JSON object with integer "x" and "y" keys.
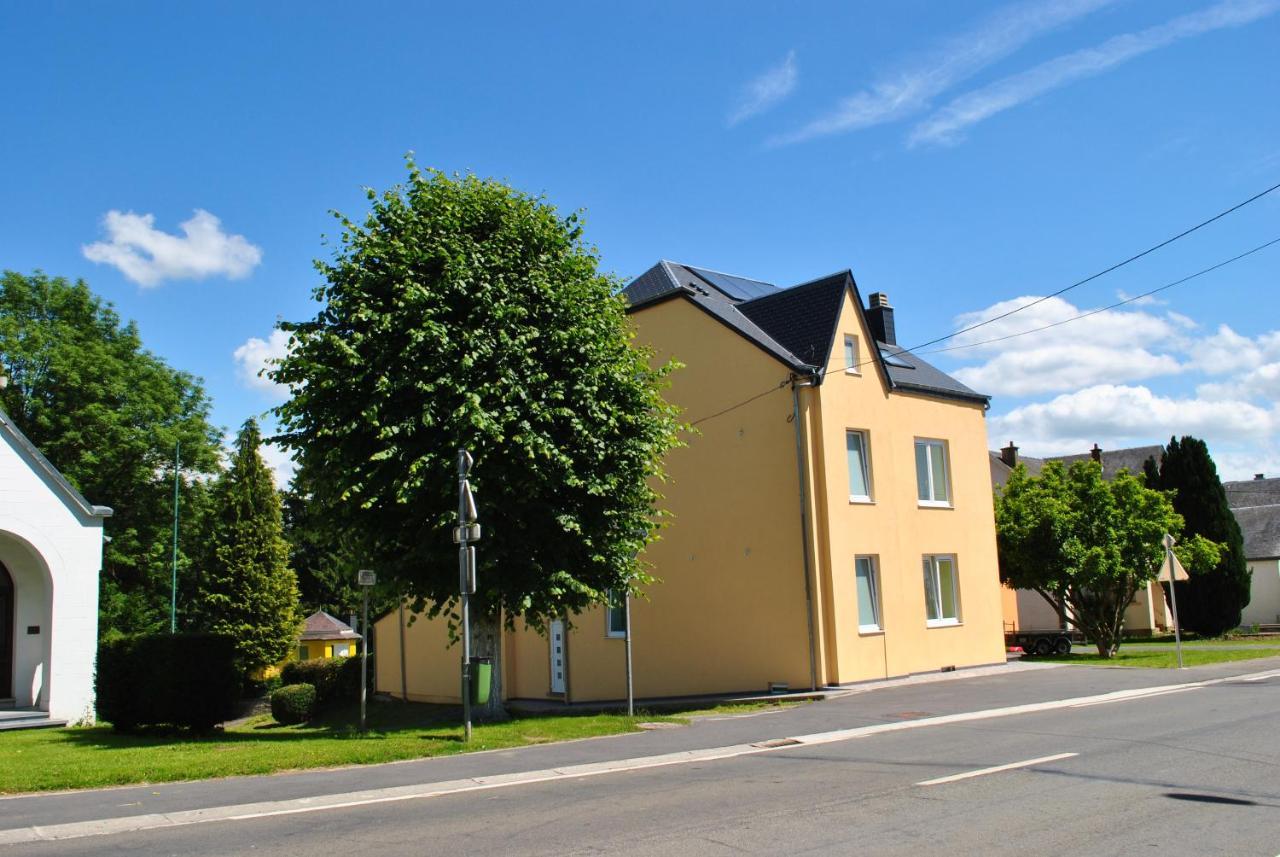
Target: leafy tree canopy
{"x": 107, "y": 413}
{"x": 1083, "y": 543}
{"x": 464, "y": 314}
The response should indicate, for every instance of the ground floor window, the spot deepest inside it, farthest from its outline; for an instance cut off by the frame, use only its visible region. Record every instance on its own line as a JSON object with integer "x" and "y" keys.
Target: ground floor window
{"x": 867, "y": 572}
{"x": 941, "y": 590}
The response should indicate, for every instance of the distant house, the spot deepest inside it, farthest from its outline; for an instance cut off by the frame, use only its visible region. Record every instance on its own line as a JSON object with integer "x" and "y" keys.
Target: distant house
{"x": 50, "y": 558}
{"x": 831, "y": 520}
{"x": 324, "y": 636}
{"x": 1256, "y": 505}
{"x": 1148, "y": 613}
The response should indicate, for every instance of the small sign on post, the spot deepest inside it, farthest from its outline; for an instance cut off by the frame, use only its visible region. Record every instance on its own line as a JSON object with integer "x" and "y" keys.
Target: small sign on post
{"x": 1170, "y": 571}
{"x": 365, "y": 578}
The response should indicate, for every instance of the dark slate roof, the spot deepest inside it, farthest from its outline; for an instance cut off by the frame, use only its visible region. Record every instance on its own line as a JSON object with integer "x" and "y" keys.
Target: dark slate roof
{"x": 321, "y": 626}
{"x": 797, "y": 325}
{"x": 46, "y": 468}
{"x": 1260, "y": 526}
{"x": 1252, "y": 492}
{"x": 1113, "y": 461}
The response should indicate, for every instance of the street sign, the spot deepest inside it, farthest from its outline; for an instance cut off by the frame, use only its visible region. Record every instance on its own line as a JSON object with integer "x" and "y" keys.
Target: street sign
{"x": 467, "y": 571}
{"x": 366, "y": 577}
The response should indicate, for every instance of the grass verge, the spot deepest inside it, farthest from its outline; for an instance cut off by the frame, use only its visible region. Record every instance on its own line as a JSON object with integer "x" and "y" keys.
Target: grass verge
{"x": 1161, "y": 658}
{"x": 77, "y": 758}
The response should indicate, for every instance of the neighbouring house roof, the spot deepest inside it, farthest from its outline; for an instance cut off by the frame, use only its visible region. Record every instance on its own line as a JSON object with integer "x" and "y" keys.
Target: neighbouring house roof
{"x": 1252, "y": 492}
{"x": 1113, "y": 461}
{"x": 44, "y": 466}
{"x": 1256, "y": 505}
{"x": 321, "y": 626}
{"x": 796, "y": 324}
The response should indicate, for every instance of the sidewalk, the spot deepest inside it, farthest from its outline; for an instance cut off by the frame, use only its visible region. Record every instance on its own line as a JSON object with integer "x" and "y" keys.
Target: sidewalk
{"x": 883, "y": 703}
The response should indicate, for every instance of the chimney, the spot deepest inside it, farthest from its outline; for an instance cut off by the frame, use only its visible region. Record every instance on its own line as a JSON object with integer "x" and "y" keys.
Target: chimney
{"x": 880, "y": 319}
{"x": 1009, "y": 455}
{"x": 1259, "y": 476}
{"x": 1096, "y": 453}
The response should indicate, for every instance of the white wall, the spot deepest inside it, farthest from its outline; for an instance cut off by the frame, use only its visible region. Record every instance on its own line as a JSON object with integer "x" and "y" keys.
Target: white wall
{"x": 53, "y": 551}
{"x": 1264, "y": 603}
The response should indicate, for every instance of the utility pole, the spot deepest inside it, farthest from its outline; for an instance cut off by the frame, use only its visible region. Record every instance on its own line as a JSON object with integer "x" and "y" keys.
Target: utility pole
{"x": 366, "y": 579}
{"x": 466, "y": 531}
{"x": 173, "y": 585}
{"x": 626, "y": 618}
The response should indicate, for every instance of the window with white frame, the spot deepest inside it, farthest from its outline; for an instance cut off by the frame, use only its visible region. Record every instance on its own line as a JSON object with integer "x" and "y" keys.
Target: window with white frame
{"x": 941, "y": 591}
{"x": 851, "y": 354}
{"x": 867, "y": 572}
{"x": 859, "y": 454}
{"x": 932, "y": 484}
{"x": 615, "y": 620}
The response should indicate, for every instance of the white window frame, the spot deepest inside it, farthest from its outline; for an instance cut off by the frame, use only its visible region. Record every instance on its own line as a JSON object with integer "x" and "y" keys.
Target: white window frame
{"x": 609, "y": 608}
{"x": 934, "y": 446}
{"x": 851, "y": 368}
{"x": 876, "y": 627}
{"x": 869, "y": 497}
{"x": 929, "y": 566}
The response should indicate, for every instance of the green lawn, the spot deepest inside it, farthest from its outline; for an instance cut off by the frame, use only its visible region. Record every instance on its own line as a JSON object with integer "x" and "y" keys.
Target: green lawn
{"x": 1192, "y": 640}
{"x": 48, "y": 759}
{"x": 1163, "y": 657}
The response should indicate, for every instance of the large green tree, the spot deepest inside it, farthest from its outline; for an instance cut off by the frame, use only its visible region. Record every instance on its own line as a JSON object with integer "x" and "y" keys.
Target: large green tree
{"x": 1210, "y": 602}
{"x": 246, "y": 589}
{"x": 1084, "y": 543}
{"x": 464, "y": 314}
{"x": 108, "y": 413}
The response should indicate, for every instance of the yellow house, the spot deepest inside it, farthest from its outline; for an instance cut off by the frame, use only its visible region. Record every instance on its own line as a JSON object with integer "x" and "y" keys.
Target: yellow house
{"x": 323, "y": 636}
{"x": 832, "y": 519}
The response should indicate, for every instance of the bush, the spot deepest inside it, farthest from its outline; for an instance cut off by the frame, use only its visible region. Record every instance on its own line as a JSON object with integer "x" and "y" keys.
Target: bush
{"x": 293, "y": 703}
{"x": 335, "y": 679}
{"x": 187, "y": 680}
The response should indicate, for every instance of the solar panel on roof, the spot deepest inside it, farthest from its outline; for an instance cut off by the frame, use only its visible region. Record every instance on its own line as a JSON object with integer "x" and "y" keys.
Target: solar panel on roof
{"x": 739, "y": 288}
{"x": 894, "y": 360}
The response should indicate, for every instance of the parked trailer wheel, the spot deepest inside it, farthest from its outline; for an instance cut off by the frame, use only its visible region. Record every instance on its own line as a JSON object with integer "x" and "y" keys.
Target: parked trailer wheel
{"x": 1062, "y": 646}
{"x": 1044, "y": 646}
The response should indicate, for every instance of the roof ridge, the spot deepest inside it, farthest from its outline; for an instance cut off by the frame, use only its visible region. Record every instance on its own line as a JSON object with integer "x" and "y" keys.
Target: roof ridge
{"x": 791, "y": 290}
{"x": 24, "y": 443}
{"x": 721, "y": 273}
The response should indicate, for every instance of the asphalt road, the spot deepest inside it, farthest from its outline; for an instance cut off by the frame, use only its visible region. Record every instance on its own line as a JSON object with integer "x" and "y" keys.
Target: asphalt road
{"x": 1193, "y": 772}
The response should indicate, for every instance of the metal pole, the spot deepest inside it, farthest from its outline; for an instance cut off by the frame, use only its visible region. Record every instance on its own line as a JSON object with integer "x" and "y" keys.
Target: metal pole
{"x": 626, "y": 618}
{"x": 1173, "y": 596}
{"x": 173, "y": 585}
{"x": 404, "y": 677}
{"x": 466, "y": 599}
{"x": 364, "y": 656}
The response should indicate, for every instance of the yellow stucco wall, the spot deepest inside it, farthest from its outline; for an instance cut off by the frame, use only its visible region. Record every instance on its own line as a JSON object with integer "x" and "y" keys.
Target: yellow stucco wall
{"x": 728, "y": 610}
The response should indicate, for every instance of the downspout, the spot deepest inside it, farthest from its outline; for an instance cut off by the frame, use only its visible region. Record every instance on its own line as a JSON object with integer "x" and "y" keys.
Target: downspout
{"x": 803, "y": 481}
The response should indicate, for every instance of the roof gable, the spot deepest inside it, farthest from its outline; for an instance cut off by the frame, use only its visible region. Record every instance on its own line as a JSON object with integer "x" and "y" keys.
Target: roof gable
{"x": 45, "y": 468}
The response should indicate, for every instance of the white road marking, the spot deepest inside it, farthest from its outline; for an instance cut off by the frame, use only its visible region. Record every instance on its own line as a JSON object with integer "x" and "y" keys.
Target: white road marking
{"x": 346, "y": 800}
{"x": 1138, "y": 696}
{"x": 1262, "y": 677}
{"x": 997, "y": 769}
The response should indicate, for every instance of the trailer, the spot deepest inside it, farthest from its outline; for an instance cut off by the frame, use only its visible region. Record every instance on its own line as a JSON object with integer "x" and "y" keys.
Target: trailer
{"x": 1054, "y": 642}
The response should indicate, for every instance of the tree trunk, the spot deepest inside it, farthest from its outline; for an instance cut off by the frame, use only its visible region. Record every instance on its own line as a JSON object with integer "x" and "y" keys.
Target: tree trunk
{"x": 486, "y": 642}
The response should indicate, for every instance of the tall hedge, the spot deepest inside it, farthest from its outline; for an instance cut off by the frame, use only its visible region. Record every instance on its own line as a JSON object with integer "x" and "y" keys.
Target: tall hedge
{"x": 187, "y": 680}
{"x": 335, "y": 679}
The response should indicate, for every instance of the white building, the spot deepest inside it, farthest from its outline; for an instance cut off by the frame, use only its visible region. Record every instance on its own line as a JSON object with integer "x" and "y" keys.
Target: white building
{"x": 1256, "y": 505}
{"x": 50, "y": 559}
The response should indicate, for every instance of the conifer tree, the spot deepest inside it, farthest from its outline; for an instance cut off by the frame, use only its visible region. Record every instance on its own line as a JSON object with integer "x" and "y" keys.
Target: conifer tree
{"x": 1211, "y": 601}
{"x": 247, "y": 589}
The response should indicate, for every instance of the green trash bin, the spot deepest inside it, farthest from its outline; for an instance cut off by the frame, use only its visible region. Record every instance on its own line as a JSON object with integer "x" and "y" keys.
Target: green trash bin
{"x": 481, "y": 678}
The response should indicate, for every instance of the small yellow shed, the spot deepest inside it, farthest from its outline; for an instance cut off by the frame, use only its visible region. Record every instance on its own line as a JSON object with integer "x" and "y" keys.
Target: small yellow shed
{"x": 324, "y": 636}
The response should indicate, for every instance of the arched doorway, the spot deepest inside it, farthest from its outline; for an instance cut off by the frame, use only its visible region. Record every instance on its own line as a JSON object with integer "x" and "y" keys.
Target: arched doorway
{"x": 6, "y": 633}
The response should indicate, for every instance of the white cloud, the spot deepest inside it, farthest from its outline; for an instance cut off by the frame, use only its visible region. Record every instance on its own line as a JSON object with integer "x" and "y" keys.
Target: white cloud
{"x": 1064, "y": 367}
{"x": 948, "y": 124}
{"x": 149, "y": 256}
{"x": 1260, "y": 383}
{"x": 910, "y": 90}
{"x": 766, "y": 90}
{"x": 256, "y": 355}
{"x": 1117, "y": 416}
{"x": 281, "y": 463}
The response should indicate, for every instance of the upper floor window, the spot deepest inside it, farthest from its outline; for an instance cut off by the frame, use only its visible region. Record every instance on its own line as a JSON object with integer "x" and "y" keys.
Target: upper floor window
{"x": 932, "y": 485}
{"x": 615, "y": 620}
{"x": 859, "y": 467}
{"x": 941, "y": 591}
{"x": 851, "y": 354}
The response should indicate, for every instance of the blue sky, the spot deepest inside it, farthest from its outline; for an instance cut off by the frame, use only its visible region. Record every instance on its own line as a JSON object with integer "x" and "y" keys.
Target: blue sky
{"x": 961, "y": 157}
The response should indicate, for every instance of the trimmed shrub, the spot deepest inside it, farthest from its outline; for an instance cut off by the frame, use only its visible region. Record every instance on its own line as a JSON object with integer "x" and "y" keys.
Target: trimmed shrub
{"x": 187, "y": 680}
{"x": 335, "y": 679}
{"x": 293, "y": 703}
